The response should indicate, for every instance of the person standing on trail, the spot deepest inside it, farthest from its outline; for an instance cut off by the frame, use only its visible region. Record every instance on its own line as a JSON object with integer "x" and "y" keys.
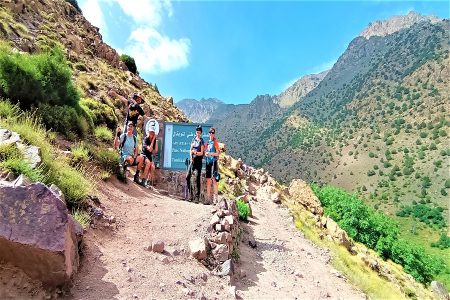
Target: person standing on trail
{"x": 134, "y": 111}
{"x": 212, "y": 173}
{"x": 196, "y": 152}
{"x": 128, "y": 149}
{"x": 149, "y": 148}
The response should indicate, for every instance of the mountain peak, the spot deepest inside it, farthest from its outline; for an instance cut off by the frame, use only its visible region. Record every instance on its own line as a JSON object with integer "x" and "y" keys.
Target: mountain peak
{"x": 299, "y": 89}
{"x": 395, "y": 23}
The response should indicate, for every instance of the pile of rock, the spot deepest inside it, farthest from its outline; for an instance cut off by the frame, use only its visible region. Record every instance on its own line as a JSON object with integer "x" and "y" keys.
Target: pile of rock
{"x": 216, "y": 249}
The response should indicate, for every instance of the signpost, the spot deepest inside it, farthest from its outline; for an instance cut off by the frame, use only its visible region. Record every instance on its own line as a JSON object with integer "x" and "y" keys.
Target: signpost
{"x": 177, "y": 139}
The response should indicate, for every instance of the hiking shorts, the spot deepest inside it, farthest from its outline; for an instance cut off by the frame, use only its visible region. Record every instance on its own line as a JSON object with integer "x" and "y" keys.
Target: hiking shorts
{"x": 210, "y": 169}
{"x": 147, "y": 156}
{"x": 124, "y": 157}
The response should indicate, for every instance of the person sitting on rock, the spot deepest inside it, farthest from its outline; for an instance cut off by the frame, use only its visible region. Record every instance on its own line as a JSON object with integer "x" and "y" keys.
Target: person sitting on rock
{"x": 128, "y": 149}
{"x": 212, "y": 156}
{"x": 135, "y": 111}
{"x": 149, "y": 149}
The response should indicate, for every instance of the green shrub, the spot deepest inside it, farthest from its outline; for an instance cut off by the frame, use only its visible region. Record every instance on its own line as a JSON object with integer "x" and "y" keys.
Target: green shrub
{"x": 428, "y": 215}
{"x": 442, "y": 243}
{"x": 103, "y": 134}
{"x": 447, "y": 184}
{"x": 11, "y": 159}
{"x": 80, "y": 154}
{"x": 422, "y": 267}
{"x": 100, "y": 113}
{"x": 8, "y": 110}
{"x": 32, "y": 80}
{"x": 376, "y": 231}
{"x": 129, "y": 62}
{"x": 108, "y": 159}
{"x": 82, "y": 217}
{"x": 243, "y": 209}
{"x": 64, "y": 119}
{"x": 74, "y": 185}
{"x": 370, "y": 173}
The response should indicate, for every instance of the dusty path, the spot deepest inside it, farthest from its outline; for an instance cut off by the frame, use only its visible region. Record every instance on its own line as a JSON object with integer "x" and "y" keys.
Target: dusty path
{"x": 115, "y": 264}
{"x": 285, "y": 265}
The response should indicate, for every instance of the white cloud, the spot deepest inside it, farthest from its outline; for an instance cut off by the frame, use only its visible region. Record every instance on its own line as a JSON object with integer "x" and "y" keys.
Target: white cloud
{"x": 93, "y": 13}
{"x": 155, "y": 53}
{"x": 147, "y": 12}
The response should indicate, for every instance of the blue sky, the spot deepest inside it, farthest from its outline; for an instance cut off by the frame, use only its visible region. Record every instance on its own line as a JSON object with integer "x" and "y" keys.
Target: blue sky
{"x": 235, "y": 50}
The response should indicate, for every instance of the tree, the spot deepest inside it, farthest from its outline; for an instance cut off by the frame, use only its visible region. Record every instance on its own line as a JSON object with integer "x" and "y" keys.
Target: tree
{"x": 129, "y": 62}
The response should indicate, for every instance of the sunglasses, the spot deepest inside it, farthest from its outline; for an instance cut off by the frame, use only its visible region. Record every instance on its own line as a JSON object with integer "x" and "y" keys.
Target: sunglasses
{"x": 212, "y": 132}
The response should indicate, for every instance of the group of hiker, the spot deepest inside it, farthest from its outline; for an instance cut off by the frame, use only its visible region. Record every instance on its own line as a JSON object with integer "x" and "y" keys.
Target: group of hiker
{"x": 125, "y": 142}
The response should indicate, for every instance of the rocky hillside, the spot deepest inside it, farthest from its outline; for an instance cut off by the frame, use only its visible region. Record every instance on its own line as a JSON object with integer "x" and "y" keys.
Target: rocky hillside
{"x": 377, "y": 125}
{"x": 39, "y": 25}
{"x": 395, "y": 23}
{"x": 299, "y": 89}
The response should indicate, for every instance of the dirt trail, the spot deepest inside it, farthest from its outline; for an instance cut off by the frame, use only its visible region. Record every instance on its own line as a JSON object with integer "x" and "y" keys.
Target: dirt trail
{"x": 284, "y": 264}
{"x": 115, "y": 264}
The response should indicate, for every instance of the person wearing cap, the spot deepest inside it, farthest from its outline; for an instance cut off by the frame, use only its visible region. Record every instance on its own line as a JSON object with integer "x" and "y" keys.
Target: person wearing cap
{"x": 134, "y": 107}
{"x": 128, "y": 148}
{"x": 212, "y": 156}
{"x": 149, "y": 148}
{"x": 196, "y": 151}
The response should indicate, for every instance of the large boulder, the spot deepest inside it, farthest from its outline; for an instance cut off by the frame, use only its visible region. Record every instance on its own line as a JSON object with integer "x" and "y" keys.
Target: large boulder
{"x": 301, "y": 193}
{"x": 37, "y": 234}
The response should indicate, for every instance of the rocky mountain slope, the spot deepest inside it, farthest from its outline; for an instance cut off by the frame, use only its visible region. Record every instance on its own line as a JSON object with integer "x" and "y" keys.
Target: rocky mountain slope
{"x": 39, "y": 25}
{"x": 299, "y": 89}
{"x": 395, "y": 23}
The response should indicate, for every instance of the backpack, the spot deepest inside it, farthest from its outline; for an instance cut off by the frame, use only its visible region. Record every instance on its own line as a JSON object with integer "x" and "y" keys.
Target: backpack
{"x": 199, "y": 146}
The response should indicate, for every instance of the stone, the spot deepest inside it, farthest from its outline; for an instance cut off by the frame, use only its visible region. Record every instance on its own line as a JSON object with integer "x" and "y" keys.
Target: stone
{"x": 38, "y": 235}
{"x": 214, "y": 220}
{"x": 302, "y": 194}
{"x": 57, "y": 192}
{"x": 198, "y": 249}
{"x": 232, "y": 290}
{"x": 439, "y": 290}
{"x": 225, "y": 269}
{"x": 221, "y": 253}
{"x": 219, "y": 227}
{"x": 275, "y": 197}
{"x": 230, "y": 220}
{"x": 173, "y": 251}
{"x": 158, "y": 246}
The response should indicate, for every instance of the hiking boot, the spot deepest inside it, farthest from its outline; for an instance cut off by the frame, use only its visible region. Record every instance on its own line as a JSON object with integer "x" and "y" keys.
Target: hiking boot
{"x": 137, "y": 179}
{"x": 124, "y": 172}
{"x": 143, "y": 182}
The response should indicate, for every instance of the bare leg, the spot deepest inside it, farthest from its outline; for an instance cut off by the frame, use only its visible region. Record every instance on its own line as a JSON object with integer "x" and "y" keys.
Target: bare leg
{"x": 208, "y": 189}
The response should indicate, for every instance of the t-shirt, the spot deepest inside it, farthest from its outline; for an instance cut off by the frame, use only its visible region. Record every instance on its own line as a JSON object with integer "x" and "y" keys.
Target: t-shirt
{"x": 129, "y": 145}
{"x": 197, "y": 146}
{"x": 211, "y": 147}
{"x": 134, "y": 111}
{"x": 147, "y": 143}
